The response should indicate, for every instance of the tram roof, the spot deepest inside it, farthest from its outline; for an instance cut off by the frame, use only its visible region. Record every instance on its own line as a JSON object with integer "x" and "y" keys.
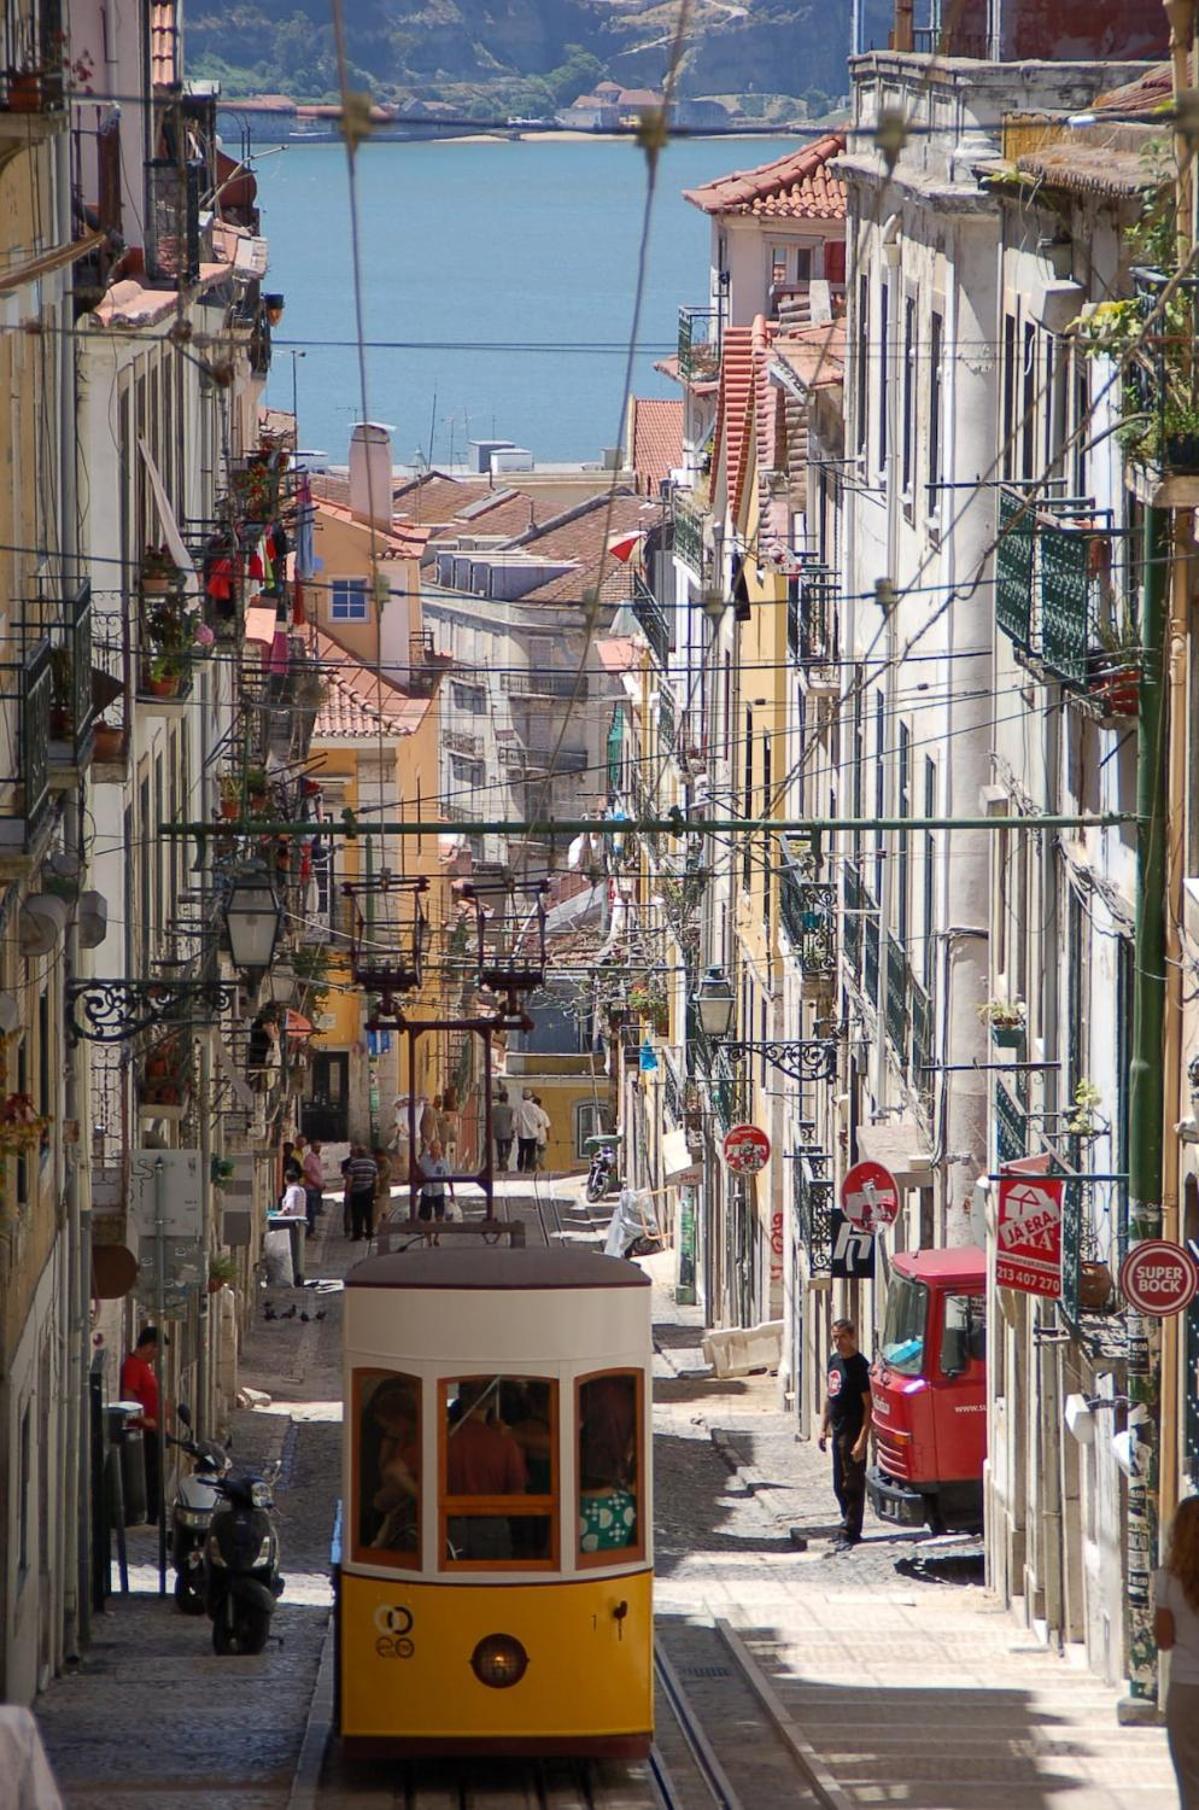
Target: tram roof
{"x": 495, "y": 1267}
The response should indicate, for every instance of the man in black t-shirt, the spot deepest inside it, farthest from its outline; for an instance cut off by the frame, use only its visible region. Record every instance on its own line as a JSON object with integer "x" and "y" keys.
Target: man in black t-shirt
{"x": 847, "y": 1419}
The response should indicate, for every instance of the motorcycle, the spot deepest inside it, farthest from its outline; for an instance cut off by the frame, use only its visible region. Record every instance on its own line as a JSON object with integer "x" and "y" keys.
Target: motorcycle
{"x": 191, "y": 1513}
{"x": 242, "y": 1581}
{"x": 601, "y": 1172}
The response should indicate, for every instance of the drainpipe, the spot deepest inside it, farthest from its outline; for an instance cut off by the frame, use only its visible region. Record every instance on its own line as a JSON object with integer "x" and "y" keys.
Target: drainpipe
{"x": 1146, "y": 1100}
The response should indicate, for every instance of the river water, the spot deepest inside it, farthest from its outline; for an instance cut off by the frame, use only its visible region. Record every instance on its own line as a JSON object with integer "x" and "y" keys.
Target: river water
{"x": 476, "y": 242}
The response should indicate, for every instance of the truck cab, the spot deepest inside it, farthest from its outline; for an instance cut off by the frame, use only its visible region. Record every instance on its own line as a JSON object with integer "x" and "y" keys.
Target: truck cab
{"x": 929, "y": 1392}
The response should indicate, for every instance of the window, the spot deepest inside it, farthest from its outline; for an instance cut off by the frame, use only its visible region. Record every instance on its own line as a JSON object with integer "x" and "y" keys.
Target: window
{"x": 588, "y": 1123}
{"x": 467, "y": 772}
{"x": 1082, "y": 402}
{"x": 936, "y": 344}
{"x": 747, "y": 808}
{"x": 884, "y": 372}
{"x": 909, "y": 394}
{"x": 778, "y": 263}
{"x": 1028, "y": 403}
{"x": 803, "y": 264}
{"x": 45, "y": 1101}
{"x": 610, "y": 1420}
{"x": 470, "y": 698}
{"x": 863, "y": 363}
{"x": 964, "y": 1338}
{"x": 348, "y": 600}
{"x": 25, "y": 1485}
{"x": 386, "y": 1525}
{"x": 904, "y": 1326}
{"x": 499, "y": 1465}
{"x": 1009, "y": 395}
{"x": 930, "y": 873}
{"x": 904, "y": 802}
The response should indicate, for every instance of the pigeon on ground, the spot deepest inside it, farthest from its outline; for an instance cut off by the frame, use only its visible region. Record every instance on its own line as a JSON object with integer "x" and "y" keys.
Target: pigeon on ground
{"x": 269, "y": 1312}
{"x": 290, "y": 1314}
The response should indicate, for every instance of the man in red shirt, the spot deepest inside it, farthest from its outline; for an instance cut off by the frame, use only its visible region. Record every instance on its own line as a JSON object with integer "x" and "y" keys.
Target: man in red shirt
{"x": 482, "y": 1459}
{"x": 139, "y": 1383}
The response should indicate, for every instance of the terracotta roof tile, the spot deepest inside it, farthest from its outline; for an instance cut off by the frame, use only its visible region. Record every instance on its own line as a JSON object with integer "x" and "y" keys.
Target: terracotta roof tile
{"x": 436, "y": 498}
{"x": 657, "y": 437}
{"x": 164, "y": 43}
{"x": 581, "y": 535}
{"x": 617, "y": 653}
{"x": 816, "y": 354}
{"x": 358, "y": 703}
{"x": 1152, "y": 93}
{"x": 799, "y": 186}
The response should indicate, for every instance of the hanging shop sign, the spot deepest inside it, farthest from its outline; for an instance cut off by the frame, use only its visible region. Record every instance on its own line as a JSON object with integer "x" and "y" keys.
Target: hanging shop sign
{"x": 870, "y": 1197}
{"x": 1029, "y": 1235}
{"x": 746, "y": 1149}
{"x": 853, "y": 1249}
{"x": 1159, "y": 1278}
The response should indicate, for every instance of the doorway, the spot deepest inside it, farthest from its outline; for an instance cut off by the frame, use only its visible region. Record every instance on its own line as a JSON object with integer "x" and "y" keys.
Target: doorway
{"x": 326, "y": 1113}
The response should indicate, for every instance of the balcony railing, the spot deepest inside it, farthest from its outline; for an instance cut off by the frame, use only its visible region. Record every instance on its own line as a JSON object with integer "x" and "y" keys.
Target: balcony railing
{"x": 699, "y": 344}
{"x": 1161, "y": 390}
{"x": 689, "y": 537}
{"x": 457, "y": 741}
{"x": 809, "y": 912}
{"x": 813, "y": 1202}
{"x": 812, "y": 621}
{"x": 923, "y": 1034}
{"x": 897, "y": 1015}
{"x": 73, "y": 708}
{"x": 871, "y": 952}
{"x": 667, "y": 719}
{"x": 425, "y": 665}
{"x": 672, "y": 1089}
{"x": 173, "y": 221}
{"x": 654, "y": 621}
{"x": 1057, "y": 601}
{"x": 545, "y": 684}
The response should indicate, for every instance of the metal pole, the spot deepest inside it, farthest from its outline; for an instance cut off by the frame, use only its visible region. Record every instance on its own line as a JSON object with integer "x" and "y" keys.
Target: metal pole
{"x": 1145, "y": 1116}
{"x": 542, "y": 827}
{"x": 160, "y": 1263}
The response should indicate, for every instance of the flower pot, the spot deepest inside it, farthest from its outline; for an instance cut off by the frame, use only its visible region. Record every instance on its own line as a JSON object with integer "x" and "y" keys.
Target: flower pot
{"x": 230, "y": 808}
{"x": 155, "y": 584}
{"x": 60, "y": 723}
{"x": 1095, "y": 1287}
{"x": 1007, "y": 1036}
{"x": 108, "y": 743}
{"x": 1118, "y": 690}
{"x": 163, "y": 688}
{"x": 24, "y": 87}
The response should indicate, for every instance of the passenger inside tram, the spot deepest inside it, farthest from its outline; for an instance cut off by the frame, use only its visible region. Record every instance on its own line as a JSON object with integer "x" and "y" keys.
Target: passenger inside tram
{"x": 390, "y": 1466}
{"x": 487, "y": 1456}
{"x": 607, "y": 1464}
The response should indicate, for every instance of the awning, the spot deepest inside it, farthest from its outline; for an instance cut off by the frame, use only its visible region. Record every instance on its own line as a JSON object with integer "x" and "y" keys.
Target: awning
{"x": 899, "y": 1145}
{"x": 678, "y": 1164}
{"x": 586, "y": 910}
{"x": 298, "y": 1025}
{"x": 166, "y": 515}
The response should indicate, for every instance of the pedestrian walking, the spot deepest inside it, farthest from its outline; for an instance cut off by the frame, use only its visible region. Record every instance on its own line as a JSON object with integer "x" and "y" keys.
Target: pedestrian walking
{"x": 434, "y": 1165}
{"x": 501, "y": 1129}
{"x": 1176, "y": 1631}
{"x": 295, "y": 1195}
{"x": 363, "y": 1174}
{"x": 543, "y": 1133}
{"x": 347, "y": 1224}
{"x": 314, "y": 1184}
{"x": 427, "y": 1123}
{"x": 527, "y": 1121}
{"x": 847, "y": 1421}
{"x": 382, "y": 1185}
{"x": 139, "y": 1383}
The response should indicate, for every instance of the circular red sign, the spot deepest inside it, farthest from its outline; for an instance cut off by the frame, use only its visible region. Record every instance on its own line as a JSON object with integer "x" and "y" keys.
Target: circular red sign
{"x": 1159, "y": 1278}
{"x": 869, "y": 1197}
{"x": 746, "y": 1149}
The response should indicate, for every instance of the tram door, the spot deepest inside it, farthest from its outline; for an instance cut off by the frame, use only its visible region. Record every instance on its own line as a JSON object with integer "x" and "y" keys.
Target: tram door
{"x": 325, "y": 1114}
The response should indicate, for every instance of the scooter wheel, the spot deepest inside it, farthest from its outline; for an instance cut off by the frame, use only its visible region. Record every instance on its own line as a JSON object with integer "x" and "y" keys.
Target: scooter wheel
{"x": 189, "y": 1597}
{"x": 247, "y": 1635}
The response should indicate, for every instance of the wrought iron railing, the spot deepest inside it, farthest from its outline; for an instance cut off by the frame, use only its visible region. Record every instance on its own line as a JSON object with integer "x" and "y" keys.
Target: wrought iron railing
{"x": 813, "y": 1201}
{"x": 856, "y": 903}
{"x": 923, "y": 1037}
{"x": 1013, "y": 568}
{"x": 816, "y": 648}
{"x": 672, "y": 1091}
{"x": 545, "y": 684}
{"x": 689, "y": 537}
{"x": 871, "y": 954}
{"x": 1011, "y": 1127}
{"x": 36, "y": 692}
{"x": 667, "y": 719}
{"x": 653, "y": 620}
{"x": 809, "y": 912}
{"x": 699, "y": 344}
{"x": 173, "y": 220}
{"x": 896, "y": 1014}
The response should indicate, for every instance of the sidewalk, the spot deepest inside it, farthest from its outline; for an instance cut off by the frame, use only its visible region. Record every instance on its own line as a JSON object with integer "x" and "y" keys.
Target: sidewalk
{"x": 909, "y": 1691}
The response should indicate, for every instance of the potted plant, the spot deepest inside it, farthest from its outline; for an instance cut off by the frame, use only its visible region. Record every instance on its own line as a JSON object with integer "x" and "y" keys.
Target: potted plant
{"x": 230, "y": 796}
{"x": 164, "y": 676}
{"x": 1081, "y": 1123}
{"x": 1005, "y": 1019}
{"x": 257, "y": 788}
{"x": 109, "y": 742}
{"x": 220, "y": 1171}
{"x": 159, "y": 573}
{"x": 221, "y": 1272}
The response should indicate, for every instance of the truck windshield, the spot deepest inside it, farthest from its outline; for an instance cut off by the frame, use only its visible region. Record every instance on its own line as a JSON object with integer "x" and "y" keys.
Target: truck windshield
{"x": 903, "y": 1332}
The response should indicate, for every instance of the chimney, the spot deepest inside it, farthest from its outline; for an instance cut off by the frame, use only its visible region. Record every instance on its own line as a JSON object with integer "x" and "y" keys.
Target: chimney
{"x": 901, "y": 35}
{"x": 371, "y": 474}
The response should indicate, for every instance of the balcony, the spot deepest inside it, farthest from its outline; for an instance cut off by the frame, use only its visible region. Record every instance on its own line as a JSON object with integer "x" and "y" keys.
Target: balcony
{"x": 457, "y": 741}
{"x": 113, "y": 669}
{"x": 173, "y": 221}
{"x": 1160, "y": 432}
{"x": 689, "y": 537}
{"x": 167, "y": 629}
{"x": 699, "y": 345}
{"x": 425, "y": 665}
{"x": 653, "y": 621}
{"x": 812, "y": 627}
{"x": 808, "y": 909}
{"x": 25, "y": 793}
{"x": 545, "y": 684}
{"x": 1058, "y": 599}
{"x": 812, "y": 1203}
{"x": 896, "y": 1013}
{"x": 667, "y": 720}
{"x": 73, "y": 693}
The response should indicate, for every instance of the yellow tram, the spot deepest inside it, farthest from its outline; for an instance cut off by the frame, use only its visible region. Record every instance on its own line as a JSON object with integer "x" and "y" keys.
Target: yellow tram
{"x": 493, "y": 1578}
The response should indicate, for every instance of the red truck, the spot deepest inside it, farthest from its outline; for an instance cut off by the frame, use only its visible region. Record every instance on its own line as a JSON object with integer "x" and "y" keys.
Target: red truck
{"x": 929, "y": 1390}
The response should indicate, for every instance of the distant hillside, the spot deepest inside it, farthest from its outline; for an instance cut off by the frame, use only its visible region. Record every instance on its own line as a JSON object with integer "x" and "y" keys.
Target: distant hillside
{"x": 526, "y": 55}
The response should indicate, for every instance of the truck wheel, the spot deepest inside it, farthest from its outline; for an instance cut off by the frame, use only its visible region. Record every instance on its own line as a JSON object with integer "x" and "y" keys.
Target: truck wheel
{"x": 934, "y": 1517}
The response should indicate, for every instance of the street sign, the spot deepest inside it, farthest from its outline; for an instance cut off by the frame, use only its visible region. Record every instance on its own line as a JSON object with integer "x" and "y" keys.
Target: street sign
{"x": 870, "y": 1197}
{"x": 1029, "y": 1235}
{"x": 853, "y": 1249}
{"x": 177, "y": 1174}
{"x": 1159, "y": 1278}
{"x": 745, "y": 1149}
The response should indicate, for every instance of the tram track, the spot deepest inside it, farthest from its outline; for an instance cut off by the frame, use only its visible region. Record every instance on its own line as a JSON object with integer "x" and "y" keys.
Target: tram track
{"x": 723, "y": 1738}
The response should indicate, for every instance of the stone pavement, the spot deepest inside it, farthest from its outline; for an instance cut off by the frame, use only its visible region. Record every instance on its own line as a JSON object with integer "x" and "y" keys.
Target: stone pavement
{"x": 913, "y": 1692}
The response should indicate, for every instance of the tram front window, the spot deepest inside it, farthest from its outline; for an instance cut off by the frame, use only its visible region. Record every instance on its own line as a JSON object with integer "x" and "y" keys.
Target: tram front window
{"x": 609, "y": 1435}
{"x": 387, "y": 1527}
{"x": 500, "y": 1471}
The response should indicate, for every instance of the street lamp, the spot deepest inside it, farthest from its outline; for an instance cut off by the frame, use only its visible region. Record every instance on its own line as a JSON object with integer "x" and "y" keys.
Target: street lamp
{"x": 295, "y": 396}
{"x": 716, "y": 1003}
{"x": 253, "y": 920}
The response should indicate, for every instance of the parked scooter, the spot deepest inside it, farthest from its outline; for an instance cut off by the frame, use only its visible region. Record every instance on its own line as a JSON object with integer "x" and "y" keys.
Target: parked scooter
{"x": 602, "y": 1171}
{"x": 242, "y": 1581}
{"x": 191, "y": 1514}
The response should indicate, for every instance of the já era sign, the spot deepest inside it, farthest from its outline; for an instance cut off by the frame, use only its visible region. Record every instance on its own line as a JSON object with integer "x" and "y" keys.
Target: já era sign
{"x": 746, "y": 1149}
{"x": 1029, "y": 1234}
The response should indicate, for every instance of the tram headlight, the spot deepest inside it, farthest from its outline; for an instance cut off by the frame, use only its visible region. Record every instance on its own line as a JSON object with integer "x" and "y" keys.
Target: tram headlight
{"x": 499, "y": 1660}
